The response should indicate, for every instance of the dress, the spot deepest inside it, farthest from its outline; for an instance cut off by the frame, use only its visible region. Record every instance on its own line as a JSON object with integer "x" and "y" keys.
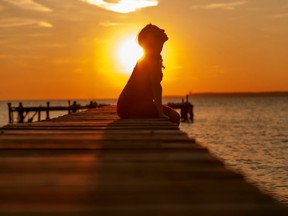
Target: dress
{"x": 137, "y": 100}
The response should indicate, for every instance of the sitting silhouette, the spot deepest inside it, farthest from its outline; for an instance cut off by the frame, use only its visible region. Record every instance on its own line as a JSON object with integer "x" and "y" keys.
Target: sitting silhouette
{"x": 142, "y": 95}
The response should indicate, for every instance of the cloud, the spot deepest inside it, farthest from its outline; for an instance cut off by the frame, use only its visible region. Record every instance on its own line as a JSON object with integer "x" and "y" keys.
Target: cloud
{"x": 226, "y": 6}
{"x": 123, "y": 6}
{"x": 223, "y": 6}
{"x": 18, "y": 22}
{"x": 109, "y": 24}
{"x": 29, "y": 5}
{"x": 280, "y": 16}
{"x": 45, "y": 24}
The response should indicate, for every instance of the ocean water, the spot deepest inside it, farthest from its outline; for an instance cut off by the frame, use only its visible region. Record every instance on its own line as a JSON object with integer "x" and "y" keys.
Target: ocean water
{"x": 248, "y": 133}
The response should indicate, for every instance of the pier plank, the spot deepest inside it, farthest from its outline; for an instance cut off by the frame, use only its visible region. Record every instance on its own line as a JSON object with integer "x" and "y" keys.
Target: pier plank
{"x": 93, "y": 163}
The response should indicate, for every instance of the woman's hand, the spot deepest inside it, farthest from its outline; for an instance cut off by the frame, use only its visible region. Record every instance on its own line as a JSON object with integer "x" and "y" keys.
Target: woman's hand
{"x": 162, "y": 115}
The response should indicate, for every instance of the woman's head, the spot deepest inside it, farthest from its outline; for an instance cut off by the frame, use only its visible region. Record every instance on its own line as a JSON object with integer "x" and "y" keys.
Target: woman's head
{"x": 152, "y": 38}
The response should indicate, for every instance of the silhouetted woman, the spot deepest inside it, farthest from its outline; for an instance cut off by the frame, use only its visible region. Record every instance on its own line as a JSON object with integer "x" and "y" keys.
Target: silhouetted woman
{"x": 142, "y": 95}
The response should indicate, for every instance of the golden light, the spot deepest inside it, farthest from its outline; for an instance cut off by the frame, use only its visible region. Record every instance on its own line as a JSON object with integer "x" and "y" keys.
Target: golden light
{"x": 123, "y": 6}
{"x": 128, "y": 52}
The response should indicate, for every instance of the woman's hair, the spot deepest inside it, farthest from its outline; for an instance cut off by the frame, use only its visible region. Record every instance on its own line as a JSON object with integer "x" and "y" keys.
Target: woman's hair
{"x": 147, "y": 34}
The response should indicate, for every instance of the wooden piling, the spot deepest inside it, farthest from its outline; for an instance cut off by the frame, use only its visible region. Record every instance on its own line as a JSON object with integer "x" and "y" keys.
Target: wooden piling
{"x": 10, "y": 113}
{"x": 47, "y": 111}
{"x": 185, "y": 108}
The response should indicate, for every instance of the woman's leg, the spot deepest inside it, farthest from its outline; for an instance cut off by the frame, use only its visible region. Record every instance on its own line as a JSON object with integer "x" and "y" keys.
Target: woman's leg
{"x": 146, "y": 110}
{"x": 140, "y": 109}
{"x": 172, "y": 114}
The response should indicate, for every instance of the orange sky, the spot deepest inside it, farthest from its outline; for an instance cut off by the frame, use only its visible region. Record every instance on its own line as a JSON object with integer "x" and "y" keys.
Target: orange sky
{"x": 69, "y": 50}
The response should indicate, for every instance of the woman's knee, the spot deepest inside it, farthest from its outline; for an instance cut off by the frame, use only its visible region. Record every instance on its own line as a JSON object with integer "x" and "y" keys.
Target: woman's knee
{"x": 172, "y": 114}
{"x": 174, "y": 117}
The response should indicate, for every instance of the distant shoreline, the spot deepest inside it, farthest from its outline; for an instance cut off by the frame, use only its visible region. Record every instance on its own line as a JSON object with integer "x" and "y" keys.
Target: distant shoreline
{"x": 191, "y": 95}
{"x": 232, "y": 94}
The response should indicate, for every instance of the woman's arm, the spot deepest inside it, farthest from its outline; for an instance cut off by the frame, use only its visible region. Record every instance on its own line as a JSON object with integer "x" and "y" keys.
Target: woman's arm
{"x": 157, "y": 95}
{"x": 156, "y": 77}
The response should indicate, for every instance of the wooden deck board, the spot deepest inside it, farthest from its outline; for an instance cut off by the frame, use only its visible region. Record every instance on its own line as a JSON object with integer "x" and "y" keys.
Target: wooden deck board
{"x": 92, "y": 163}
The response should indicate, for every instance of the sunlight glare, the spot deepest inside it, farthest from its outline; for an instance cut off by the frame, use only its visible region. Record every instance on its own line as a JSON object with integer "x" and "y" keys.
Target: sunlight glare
{"x": 128, "y": 53}
{"x": 123, "y": 6}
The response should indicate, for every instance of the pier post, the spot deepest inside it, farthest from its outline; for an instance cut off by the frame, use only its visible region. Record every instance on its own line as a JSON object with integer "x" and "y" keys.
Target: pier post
{"x": 47, "y": 110}
{"x": 69, "y": 107}
{"x": 10, "y": 113}
{"x": 21, "y": 113}
{"x": 186, "y": 108}
{"x": 74, "y": 107}
{"x": 39, "y": 114}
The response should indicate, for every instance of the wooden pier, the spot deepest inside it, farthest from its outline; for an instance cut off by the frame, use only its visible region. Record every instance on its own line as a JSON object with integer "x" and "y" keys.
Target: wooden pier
{"x": 186, "y": 108}
{"x": 93, "y": 163}
{"x": 22, "y": 112}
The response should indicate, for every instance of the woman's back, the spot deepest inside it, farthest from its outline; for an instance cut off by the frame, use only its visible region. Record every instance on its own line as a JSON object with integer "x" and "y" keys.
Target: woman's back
{"x": 138, "y": 90}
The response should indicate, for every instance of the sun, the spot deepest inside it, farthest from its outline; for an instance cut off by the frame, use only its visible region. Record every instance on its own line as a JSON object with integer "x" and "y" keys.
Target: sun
{"x": 128, "y": 52}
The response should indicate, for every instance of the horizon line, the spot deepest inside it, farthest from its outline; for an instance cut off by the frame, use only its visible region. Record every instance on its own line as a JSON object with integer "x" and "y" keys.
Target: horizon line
{"x": 190, "y": 94}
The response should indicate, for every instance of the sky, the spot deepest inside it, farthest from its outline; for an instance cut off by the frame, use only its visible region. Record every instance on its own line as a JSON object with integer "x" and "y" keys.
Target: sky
{"x": 86, "y": 49}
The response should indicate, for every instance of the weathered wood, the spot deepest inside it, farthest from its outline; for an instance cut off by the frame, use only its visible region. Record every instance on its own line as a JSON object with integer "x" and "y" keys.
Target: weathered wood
{"x": 93, "y": 163}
